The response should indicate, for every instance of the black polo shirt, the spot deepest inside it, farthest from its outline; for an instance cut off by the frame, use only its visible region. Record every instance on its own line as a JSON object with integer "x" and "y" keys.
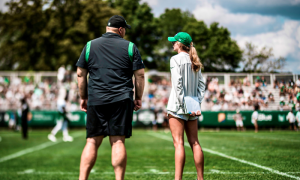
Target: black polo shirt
{"x": 110, "y": 69}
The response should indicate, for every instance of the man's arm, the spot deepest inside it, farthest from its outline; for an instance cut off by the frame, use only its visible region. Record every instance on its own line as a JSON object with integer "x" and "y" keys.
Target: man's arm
{"x": 139, "y": 87}
{"x": 82, "y": 85}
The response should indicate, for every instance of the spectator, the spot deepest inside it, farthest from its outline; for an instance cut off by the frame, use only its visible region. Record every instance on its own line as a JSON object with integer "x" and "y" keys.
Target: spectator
{"x": 298, "y": 117}
{"x": 255, "y": 117}
{"x": 238, "y": 120}
{"x": 291, "y": 86}
{"x": 298, "y": 82}
{"x": 61, "y": 73}
{"x": 292, "y": 105}
{"x": 271, "y": 97}
{"x": 263, "y": 82}
{"x": 282, "y": 89}
{"x": 25, "y": 111}
{"x": 275, "y": 84}
{"x": 208, "y": 80}
{"x": 291, "y": 118}
{"x": 216, "y": 106}
{"x": 232, "y": 83}
{"x": 298, "y": 96}
{"x": 246, "y": 81}
{"x": 240, "y": 92}
{"x": 281, "y": 104}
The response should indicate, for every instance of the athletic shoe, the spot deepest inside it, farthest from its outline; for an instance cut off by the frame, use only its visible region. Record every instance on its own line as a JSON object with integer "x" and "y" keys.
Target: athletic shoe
{"x": 67, "y": 139}
{"x": 51, "y": 137}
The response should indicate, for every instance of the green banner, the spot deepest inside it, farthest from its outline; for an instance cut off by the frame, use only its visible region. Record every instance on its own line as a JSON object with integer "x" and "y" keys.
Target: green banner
{"x": 145, "y": 117}
{"x": 49, "y": 118}
{"x": 225, "y": 118}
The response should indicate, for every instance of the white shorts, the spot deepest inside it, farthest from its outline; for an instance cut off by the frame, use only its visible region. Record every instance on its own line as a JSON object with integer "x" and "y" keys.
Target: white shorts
{"x": 253, "y": 121}
{"x": 239, "y": 123}
{"x": 185, "y": 117}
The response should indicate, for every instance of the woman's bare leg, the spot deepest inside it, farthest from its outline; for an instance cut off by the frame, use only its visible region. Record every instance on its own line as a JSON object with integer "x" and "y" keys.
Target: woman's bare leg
{"x": 191, "y": 129}
{"x": 177, "y": 130}
{"x": 256, "y": 127}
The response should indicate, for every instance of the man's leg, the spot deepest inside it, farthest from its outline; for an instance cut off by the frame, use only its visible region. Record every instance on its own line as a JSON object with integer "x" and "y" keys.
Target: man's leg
{"x": 89, "y": 156}
{"x": 57, "y": 127}
{"x": 177, "y": 130}
{"x": 118, "y": 155}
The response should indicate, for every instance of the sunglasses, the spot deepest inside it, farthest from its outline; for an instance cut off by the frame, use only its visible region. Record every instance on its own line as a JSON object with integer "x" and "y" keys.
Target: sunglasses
{"x": 174, "y": 42}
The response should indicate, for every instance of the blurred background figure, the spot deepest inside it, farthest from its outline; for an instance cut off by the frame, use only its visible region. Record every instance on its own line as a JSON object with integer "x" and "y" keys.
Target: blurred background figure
{"x": 24, "y": 117}
{"x": 61, "y": 74}
{"x": 255, "y": 117}
{"x": 298, "y": 118}
{"x": 238, "y": 121}
{"x": 298, "y": 82}
{"x": 63, "y": 121}
{"x": 292, "y": 119}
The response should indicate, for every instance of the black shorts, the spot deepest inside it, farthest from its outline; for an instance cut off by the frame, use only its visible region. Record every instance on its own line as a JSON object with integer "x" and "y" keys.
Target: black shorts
{"x": 113, "y": 119}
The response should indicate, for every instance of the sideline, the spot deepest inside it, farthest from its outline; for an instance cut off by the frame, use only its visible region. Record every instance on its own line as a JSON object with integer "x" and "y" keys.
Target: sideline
{"x": 161, "y": 136}
{"x": 255, "y": 136}
{"x": 211, "y": 171}
{"x": 32, "y": 149}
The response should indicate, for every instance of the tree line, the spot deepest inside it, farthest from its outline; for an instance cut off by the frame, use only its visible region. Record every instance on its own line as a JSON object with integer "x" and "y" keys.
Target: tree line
{"x": 42, "y": 35}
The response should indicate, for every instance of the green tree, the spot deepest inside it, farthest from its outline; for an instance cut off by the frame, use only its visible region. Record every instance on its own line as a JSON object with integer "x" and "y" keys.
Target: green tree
{"x": 216, "y": 49}
{"x": 168, "y": 24}
{"x": 40, "y": 36}
{"x": 262, "y": 60}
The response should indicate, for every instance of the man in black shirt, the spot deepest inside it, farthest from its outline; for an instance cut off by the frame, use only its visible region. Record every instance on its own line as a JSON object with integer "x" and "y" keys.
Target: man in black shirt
{"x": 107, "y": 98}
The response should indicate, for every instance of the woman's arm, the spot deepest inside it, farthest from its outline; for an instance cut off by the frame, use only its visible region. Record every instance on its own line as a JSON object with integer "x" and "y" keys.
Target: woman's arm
{"x": 201, "y": 87}
{"x": 177, "y": 81}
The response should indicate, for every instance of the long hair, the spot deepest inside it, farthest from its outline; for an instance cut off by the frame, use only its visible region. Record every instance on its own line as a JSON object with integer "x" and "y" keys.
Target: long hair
{"x": 196, "y": 64}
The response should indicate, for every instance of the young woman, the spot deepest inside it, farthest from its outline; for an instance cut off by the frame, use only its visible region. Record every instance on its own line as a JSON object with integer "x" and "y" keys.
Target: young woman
{"x": 187, "y": 80}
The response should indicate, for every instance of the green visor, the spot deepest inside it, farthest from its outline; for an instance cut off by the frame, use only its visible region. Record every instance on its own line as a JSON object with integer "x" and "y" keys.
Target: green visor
{"x": 171, "y": 39}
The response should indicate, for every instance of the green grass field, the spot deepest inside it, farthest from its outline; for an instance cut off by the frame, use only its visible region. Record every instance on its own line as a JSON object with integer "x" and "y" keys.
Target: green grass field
{"x": 228, "y": 155}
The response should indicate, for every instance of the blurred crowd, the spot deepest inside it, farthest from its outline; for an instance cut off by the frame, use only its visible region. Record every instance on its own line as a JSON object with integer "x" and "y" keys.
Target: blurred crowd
{"x": 239, "y": 93}
{"x": 289, "y": 93}
{"x": 157, "y": 98}
{"x": 39, "y": 96}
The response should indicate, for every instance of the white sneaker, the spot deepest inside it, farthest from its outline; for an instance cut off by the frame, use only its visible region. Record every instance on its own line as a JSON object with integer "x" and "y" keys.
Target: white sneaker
{"x": 67, "y": 139}
{"x": 51, "y": 137}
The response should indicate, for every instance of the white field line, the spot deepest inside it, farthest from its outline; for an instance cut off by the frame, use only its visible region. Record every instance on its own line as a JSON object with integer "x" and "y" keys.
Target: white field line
{"x": 230, "y": 157}
{"x": 257, "y": 137}
{"x": 277, "y": 139}
{"x": 32, "y": 149}
{"x": 31, "y": 171}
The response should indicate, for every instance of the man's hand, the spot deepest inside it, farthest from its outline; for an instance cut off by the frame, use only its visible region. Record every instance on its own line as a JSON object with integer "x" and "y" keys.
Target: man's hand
{"x": 137, "y": 104}
{"x": 83, "y": 104}
{"x": 193, "y": 114}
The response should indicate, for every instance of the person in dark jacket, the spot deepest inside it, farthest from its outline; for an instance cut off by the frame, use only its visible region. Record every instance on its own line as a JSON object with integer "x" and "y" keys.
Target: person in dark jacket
{"x": 24, "y": 120}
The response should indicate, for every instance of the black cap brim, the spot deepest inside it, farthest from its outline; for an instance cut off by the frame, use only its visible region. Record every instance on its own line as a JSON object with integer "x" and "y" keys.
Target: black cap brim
{"x": 128, "y": 26}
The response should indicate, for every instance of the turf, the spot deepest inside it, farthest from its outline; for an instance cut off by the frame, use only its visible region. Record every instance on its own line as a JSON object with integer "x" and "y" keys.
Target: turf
{"x": 151, "y": 156}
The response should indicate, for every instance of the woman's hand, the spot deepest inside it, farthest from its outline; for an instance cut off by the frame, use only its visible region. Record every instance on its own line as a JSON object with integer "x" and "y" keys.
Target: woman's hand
{"x": 193, "y": 114}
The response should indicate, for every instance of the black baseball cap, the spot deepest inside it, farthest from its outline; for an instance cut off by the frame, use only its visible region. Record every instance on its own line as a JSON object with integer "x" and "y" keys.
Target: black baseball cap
{"x": 117, "y": 21}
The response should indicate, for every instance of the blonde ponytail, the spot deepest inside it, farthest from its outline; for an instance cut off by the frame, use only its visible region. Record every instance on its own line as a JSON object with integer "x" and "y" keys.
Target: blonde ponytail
{"x": 196, "y": 64}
